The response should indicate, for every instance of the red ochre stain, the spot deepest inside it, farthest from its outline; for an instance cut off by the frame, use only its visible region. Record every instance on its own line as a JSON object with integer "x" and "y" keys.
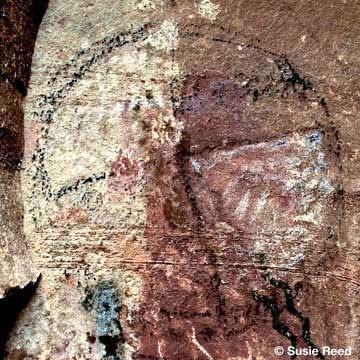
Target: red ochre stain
{"x": 123, "y": 177}
{"x": 188, "y": 304}
{"x": 123, "y": 166}
{"x": 211, "y": 111}
{"x": 195, "y": 304}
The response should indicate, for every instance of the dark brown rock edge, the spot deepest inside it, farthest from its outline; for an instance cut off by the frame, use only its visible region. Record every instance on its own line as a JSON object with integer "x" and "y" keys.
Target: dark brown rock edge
{"x": 19, "y": 22}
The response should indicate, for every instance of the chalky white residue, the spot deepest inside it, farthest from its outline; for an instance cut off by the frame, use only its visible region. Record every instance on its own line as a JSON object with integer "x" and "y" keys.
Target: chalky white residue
{"x": 243, "y": 205}
{"x": 166, "y": 38}
{"x": 166, "y": 130}
{"x": 262, "y": 201}
{"x": 315, "y": 216}
{"x": 159, "y": 350}
{"x": 199, "y": 346}
{"x": 196, "y": 166}
{"x": 295, "y": 260}
{"x": 208, "y": 9}
{"x": 146, "y": 5}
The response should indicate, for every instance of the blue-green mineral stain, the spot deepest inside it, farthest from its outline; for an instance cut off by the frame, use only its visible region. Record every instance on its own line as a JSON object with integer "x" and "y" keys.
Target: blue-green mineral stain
{"x": 107, "y": 310}
{"x": 104, "y": 302}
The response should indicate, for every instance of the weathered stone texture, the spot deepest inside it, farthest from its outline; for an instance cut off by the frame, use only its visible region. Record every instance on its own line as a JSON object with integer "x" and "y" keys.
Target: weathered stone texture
{"x": 11, "y": 127}
{"x": 191, "y": 180}
{"x": 19, "y": 22}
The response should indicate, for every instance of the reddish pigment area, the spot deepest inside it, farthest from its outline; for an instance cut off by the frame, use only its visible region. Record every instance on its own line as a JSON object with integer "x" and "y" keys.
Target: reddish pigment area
{"x": 211, "y": 111}
{"x": 193, "y": 305}
{"x": 122, "y": 177}
{"x": 243, "y": 187}
{"x": 168, "y": 205}
{"x": 207, "y": 294}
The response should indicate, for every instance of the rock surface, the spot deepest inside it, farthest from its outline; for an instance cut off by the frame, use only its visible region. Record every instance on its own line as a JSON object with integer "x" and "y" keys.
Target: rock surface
{"x": 19, "y": 21}
{"x": 191, "y": 181}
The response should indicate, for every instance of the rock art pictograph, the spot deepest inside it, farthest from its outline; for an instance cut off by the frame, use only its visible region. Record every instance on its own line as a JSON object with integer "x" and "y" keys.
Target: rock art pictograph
{"x": 190, "y": 180}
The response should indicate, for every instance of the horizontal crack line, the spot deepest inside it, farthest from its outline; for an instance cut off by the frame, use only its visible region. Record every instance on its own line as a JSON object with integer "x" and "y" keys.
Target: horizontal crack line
{"x": 220, "y": 264}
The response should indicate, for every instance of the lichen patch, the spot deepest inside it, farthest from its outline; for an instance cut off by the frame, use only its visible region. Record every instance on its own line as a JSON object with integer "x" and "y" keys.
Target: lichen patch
{"x": 208, "y": 9}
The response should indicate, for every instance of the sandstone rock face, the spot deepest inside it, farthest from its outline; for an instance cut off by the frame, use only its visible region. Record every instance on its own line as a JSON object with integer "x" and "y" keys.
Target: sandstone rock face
{"x": 19, "y": 21}
{"x": 191, "y": 180}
